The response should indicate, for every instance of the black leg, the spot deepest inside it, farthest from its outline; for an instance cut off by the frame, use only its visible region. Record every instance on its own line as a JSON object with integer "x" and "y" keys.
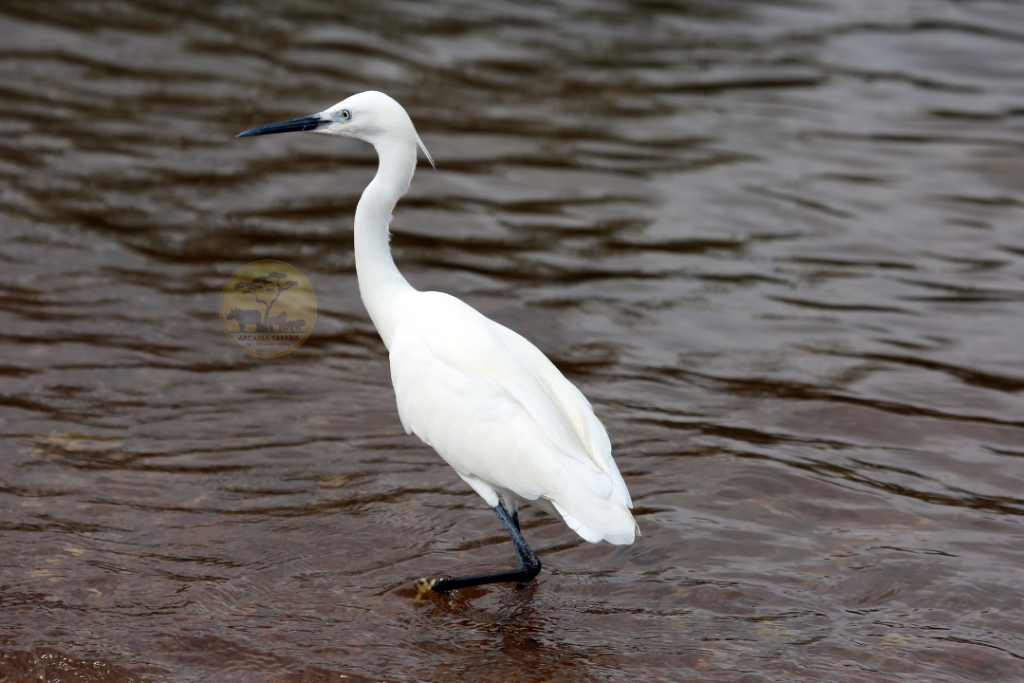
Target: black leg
{"x": 529, "y": 563}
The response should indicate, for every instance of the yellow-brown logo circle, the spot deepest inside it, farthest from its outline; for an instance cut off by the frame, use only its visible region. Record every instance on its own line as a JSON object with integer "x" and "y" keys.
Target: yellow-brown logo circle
{"x": 268, "y": 308}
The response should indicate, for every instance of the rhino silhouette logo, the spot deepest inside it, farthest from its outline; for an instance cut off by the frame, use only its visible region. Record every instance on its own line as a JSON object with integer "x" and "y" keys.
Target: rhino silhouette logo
{"x": 244, "y": 318}
{"x": 252, "y": 308}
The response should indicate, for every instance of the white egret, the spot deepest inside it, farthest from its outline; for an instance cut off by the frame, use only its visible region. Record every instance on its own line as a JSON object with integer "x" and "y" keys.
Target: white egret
{"x": 487, "y": 400}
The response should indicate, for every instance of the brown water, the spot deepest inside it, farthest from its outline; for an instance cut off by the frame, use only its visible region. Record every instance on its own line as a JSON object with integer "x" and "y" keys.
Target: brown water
{"x": 780, "y": 246}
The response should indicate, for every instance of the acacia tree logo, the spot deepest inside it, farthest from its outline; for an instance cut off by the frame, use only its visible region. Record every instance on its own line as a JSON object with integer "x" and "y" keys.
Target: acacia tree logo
{"x": 271, "y": 287}
{"x": 259, "y": 330}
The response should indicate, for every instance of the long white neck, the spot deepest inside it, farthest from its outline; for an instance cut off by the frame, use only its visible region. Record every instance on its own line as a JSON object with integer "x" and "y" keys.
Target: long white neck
{"x": 380, "y": 283}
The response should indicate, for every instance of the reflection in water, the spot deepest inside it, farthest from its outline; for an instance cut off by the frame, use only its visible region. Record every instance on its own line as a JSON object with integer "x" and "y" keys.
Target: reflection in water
{"x": 778, "y": 245}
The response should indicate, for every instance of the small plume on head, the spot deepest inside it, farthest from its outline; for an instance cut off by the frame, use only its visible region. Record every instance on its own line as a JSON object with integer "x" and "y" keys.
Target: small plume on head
{"x": 374, "y": 117}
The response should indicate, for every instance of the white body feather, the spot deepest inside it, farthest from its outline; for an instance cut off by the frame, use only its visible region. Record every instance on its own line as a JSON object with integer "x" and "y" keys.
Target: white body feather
{"x": 503, "y": 416}
{"x": 487, "y": 400}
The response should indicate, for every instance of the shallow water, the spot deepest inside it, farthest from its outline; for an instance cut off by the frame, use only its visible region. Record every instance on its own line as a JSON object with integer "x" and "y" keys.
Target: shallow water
{"x": 779, "y": 245}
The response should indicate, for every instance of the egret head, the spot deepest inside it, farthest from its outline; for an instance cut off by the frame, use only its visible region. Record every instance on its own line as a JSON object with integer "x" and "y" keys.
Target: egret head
{"x": 371, "y": 116}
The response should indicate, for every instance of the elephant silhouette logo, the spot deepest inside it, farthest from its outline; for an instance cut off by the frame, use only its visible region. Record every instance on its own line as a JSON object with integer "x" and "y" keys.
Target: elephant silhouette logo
{"x": 268, "y": 308}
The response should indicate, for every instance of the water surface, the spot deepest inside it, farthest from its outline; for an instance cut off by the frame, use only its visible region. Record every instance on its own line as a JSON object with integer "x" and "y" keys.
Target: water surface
{"x": 779, "y": 245}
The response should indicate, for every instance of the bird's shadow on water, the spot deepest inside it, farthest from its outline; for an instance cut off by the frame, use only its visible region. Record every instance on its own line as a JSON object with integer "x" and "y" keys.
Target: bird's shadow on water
{"x": 510, "y": 621}
{"x": 501, "y": 633}
{"x": 511, "y": 624}
{"x": 516, "y": 604}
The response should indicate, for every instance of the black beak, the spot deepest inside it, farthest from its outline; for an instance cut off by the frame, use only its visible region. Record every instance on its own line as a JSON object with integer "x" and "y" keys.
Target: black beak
{"x": 302, "y": 124}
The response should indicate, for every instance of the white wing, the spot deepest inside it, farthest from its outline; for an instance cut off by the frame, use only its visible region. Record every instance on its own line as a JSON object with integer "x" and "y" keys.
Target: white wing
{"x": 500, "y": 413}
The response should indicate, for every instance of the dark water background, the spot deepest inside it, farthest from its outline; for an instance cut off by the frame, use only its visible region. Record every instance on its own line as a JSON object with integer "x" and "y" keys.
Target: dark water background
{"x": 780, "y": 245}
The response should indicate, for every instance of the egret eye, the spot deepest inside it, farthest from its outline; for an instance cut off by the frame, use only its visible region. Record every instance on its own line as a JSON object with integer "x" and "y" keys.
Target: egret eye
{"x": 345, "y": 115}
